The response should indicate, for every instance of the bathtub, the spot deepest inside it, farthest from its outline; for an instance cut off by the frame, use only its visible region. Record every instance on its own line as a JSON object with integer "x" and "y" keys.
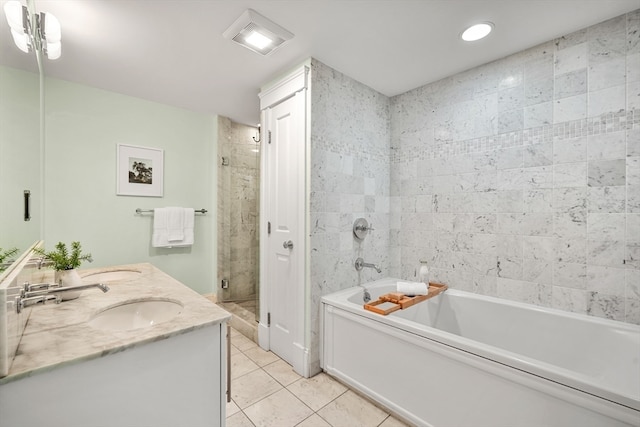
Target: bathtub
{"x": 462, "y": 359}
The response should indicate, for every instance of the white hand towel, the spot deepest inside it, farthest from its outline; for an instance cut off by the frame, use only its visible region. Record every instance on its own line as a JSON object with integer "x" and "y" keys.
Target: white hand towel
{"x": 172, "y": 227}
{"x": 160, "y": 238}
{"x": 188, "y": 234}
{"x": 412, "y": 288}
{"x": 175, "y": 224}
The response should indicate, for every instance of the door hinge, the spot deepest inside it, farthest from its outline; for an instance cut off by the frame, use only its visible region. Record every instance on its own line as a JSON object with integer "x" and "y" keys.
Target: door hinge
{"x": 269, "y": 139}
{"x": 268, "y": 227}
{"x": 268, "y": 319}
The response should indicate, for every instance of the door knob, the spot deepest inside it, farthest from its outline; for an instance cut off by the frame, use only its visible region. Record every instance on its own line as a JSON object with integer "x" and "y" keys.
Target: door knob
{"x": 288, "y": 244}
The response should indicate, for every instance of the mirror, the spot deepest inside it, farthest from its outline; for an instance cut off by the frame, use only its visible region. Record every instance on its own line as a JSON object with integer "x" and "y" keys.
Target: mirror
{"x": 60, "y": 144}
{"x": 20, "y": 145}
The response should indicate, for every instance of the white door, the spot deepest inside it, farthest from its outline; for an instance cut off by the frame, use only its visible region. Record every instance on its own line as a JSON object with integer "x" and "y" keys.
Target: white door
{"x": 285, "y": 248}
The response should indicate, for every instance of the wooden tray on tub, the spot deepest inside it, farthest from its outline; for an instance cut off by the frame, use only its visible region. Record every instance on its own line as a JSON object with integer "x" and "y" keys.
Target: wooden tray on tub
{"x": 400, "y": 301}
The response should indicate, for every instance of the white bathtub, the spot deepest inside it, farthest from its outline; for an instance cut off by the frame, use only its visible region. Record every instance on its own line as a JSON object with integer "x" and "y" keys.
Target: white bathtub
{"x": 462, "y": 359}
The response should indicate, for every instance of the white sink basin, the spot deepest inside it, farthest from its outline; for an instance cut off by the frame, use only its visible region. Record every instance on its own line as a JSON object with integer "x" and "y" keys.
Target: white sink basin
{"x": 110, "y": 276}
{"x": 135, "y": 315}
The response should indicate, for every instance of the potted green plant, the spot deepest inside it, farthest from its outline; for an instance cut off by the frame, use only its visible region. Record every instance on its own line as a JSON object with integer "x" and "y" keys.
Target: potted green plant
{"x": 5, "y": 255}
{"x": 65, "y": 263}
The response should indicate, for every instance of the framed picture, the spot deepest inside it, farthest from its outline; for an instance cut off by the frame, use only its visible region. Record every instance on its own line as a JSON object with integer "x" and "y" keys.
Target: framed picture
{"x": 140, "y": 171}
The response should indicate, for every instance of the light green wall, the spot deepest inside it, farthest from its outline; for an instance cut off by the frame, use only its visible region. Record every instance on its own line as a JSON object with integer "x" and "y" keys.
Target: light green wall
{"x": 82, "y": 129}
{"x": 19, "y": 157}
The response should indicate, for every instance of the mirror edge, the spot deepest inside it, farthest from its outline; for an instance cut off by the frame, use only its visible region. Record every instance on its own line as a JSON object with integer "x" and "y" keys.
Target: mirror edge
{"x": 19, "y": 260}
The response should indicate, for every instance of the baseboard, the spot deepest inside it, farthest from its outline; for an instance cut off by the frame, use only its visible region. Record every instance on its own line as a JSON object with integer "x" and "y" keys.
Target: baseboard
{"x": 263, "y": 336}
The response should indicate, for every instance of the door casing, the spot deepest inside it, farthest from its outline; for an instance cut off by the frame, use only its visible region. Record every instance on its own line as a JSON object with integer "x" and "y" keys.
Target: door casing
{"x": 293, "y": 85}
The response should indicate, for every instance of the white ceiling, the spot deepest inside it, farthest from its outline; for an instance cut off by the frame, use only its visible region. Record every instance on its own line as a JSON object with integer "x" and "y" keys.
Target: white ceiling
{"x": 173, "y": 51}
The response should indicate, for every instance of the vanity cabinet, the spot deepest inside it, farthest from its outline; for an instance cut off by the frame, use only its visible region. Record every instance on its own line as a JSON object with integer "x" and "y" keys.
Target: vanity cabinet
{"x": 179, "y": 381}
{"x": 68, "y": 372}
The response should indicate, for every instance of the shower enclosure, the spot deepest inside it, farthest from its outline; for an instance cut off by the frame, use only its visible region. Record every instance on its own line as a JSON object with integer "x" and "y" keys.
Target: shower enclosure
{"x": 238, "y": 211}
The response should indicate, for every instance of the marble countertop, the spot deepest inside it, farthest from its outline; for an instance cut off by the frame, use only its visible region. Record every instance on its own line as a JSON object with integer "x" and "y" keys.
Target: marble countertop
{"x": 59, "y": 334}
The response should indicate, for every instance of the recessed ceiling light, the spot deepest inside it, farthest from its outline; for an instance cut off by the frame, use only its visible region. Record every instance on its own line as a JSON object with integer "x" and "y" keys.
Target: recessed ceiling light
{"x": 257, "y": 33}
{"x": 477, "y": 31}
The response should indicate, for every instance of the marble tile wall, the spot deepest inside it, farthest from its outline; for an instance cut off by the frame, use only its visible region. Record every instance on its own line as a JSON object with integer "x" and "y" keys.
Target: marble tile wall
{"x": 238, "y": 209}
{"x": 521, "y": 178}
{"x": 349, "y": 179}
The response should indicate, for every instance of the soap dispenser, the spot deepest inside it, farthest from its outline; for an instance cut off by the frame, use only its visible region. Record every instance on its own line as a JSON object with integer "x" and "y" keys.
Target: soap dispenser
{"x": 423, "y": 273}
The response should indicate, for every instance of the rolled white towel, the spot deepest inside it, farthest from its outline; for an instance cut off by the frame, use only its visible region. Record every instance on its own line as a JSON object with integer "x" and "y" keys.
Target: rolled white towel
{"x": 412, "y": 288}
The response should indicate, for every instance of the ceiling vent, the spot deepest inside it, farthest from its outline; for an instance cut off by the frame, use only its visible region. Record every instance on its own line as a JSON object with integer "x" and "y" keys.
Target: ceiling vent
{"x": 257, "y": 33}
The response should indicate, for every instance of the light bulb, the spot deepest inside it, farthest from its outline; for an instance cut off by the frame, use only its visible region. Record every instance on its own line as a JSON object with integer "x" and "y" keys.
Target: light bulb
{"x": 13, "y": 12}
{"x": 54, "y": 50}
{"x": 52, "y": 30}
{"x": 21, "y": 40}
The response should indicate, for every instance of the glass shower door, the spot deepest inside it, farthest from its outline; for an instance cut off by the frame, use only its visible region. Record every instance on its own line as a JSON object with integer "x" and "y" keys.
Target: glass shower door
{"x": 238, "y": 219}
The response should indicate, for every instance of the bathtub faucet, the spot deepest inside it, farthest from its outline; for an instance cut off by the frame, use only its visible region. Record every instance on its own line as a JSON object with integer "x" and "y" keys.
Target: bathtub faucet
{"x": 366, "y": 296}
{"x": 360, "y": 264}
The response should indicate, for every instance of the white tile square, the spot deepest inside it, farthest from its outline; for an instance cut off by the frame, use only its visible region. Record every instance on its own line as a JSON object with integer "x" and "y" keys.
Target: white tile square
{"x": 606, "y": 280}
{"x": 608, "y": 100}
{"x": 241, "y": 365}
{"x": 253, "y": 387}
{"x": 314, "y": 421}
{"x": 569, "y": 150}
{"x": 241, "y": 342}
{"x": 280, "y": 409}
{"x": 633, "y": 170}
{"x": 572, "y": 58}
{"x": 607, "y": 146}
{"x": 393, "y": 422}
{"x": 282, "y": 372}
{"x": 569, "y": 299}
{"x": 317, "y": 391}
{"x": 606, "y": 226}
{"x": 633, "y": 228}
{"x": 239, "y": 420}
{"x": 538, "y": 115}
{"x": 633, "y": 95}
{"x": 352, "y": 410}
{"x": 570, "y": 175}
{"x": 570, "y": 84}
{"x": 261, "y": 357}
{"x": 633, "y": 67}
{"x": 571, "y": 108}
{"x": 607, "y": 74}
{"x": 232, "y": 408}
{"x": 605, "y": 173}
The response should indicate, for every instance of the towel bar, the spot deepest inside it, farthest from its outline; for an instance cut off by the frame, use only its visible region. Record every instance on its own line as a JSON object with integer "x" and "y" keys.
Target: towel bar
{"x": 139, "y": 211}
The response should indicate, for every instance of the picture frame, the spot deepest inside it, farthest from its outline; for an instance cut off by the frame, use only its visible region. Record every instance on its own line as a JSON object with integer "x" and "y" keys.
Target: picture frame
{"x": 140, "y": 171}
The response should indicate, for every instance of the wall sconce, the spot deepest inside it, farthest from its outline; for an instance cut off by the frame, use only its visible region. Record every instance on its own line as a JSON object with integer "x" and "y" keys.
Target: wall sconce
{"x": 40, "y": 32}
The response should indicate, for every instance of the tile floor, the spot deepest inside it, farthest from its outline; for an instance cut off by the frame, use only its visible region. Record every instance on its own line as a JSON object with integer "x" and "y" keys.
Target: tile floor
{"x": 265, "y": 391}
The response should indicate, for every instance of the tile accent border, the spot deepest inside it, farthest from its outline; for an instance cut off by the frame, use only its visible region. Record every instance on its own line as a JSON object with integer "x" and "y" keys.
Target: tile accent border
{"x": 605, "y": 123}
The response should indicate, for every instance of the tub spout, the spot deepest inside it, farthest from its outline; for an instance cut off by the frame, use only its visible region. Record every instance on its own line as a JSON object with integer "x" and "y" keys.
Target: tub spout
{"x": 360, "y": 264}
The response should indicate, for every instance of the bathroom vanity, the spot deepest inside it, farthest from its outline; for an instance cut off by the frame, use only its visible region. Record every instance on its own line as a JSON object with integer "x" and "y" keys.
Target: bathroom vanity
{"x": 80, "y": 363}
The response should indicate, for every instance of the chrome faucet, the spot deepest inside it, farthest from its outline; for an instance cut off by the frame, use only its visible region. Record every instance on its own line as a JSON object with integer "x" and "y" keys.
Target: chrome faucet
{"x": 47, "y": 289}
{"x": 360, "y": 264}
{"x": 40, "y": 262}
{"x": 22, "y": 302}
{"x": 43, "y": 292}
